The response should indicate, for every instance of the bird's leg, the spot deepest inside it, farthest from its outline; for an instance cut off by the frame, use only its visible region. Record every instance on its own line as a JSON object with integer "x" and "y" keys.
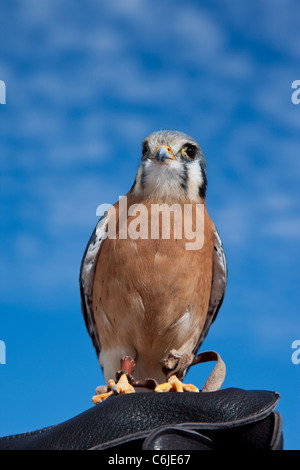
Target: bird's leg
{"x": 174, "y": 366}
{"x": 122, "y": 385}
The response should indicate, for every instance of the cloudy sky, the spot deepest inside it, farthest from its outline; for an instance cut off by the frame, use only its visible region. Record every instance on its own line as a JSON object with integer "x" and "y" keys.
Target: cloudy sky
{"x": 85, "y": 83}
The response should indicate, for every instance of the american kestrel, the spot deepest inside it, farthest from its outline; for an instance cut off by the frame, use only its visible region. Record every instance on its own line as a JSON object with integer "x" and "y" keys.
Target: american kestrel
{"x": 145, "y": 293}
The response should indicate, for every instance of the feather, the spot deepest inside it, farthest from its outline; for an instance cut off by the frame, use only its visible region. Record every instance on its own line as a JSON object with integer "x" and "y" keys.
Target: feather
{"x": 86, "y": 279}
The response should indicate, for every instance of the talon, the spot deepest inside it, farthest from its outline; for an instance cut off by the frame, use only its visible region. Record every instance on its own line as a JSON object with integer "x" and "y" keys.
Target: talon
{"x": 166, "y": 387}
{"x": 190, "y": 388}
{"x": 101, "y": 397}
{"x": 122, "y": 386}
{"x": 175, "y": 385}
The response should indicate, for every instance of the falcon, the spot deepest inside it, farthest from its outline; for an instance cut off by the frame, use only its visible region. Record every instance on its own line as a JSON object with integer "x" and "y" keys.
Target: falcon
{"x": 152, "y": 293}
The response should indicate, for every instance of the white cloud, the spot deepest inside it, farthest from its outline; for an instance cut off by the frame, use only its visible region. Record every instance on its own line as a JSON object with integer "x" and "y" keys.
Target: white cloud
{"x": 274, "y": 24}
{"x": 284, "y": 227}
{"x": 125, "y": 70}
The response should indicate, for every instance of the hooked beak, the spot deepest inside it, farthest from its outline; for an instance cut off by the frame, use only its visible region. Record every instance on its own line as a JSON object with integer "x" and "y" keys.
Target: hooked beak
{"x": 163, "y": 154}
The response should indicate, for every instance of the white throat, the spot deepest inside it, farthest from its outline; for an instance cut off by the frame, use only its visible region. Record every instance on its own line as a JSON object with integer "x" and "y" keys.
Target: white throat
{"x": 168, "y": 182}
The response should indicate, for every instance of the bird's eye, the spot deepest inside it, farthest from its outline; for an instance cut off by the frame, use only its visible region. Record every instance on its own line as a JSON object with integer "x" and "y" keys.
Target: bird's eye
{"x": 189, "y": 151}
{"x": 145, "y": 148}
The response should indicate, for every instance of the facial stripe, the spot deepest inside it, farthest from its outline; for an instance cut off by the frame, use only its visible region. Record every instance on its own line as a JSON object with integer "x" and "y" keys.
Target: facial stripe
{"x": 184, "y": 178}
{"x": 143, "y": 177}
{"x": 203, "y": 185}
{"x": 134, "y": 184}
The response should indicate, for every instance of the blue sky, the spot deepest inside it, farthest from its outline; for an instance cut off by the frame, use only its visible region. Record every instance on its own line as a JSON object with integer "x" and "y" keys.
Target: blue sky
{"x": 85, "y": 83}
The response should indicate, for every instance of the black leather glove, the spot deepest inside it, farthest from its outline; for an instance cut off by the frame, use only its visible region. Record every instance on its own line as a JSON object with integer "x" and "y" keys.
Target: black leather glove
{"x": 225, "y": 419}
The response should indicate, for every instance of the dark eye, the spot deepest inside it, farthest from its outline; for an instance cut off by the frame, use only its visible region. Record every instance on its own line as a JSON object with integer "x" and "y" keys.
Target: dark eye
{"x": 189, "y": 151}
{"x": 145, "y": 148}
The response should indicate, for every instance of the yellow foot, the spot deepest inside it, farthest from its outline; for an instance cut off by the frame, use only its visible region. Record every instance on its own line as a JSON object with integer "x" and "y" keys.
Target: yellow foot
{"x": 122, "y": 386}
{"x": 174, "y": 385}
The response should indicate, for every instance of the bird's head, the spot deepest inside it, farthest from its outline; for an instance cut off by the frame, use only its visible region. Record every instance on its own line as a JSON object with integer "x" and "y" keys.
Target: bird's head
{"x": 173, "y": 168}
